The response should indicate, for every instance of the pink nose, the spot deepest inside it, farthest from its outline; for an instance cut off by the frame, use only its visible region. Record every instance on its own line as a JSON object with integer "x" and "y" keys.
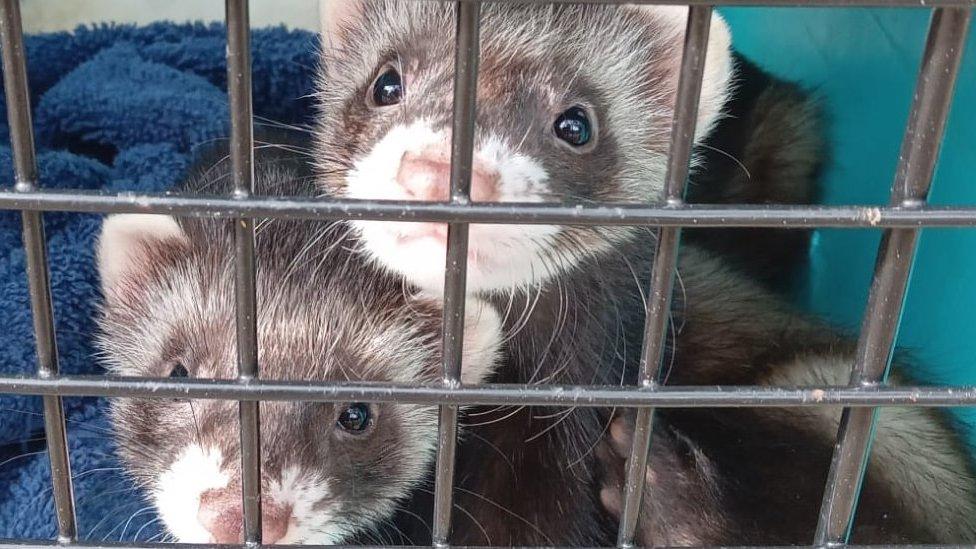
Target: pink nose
{"x": 428, "y": 177}
{"x": 221, "y": 514}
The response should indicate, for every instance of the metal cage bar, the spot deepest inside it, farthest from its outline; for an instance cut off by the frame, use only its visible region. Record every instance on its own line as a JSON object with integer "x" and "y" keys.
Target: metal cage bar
{"x": 242, "y": 166}
{"x": 455, "y": 273}
{"x": 13, "y": 544}
{"x": 767, "y": 3}
{"x": 662, "y": 396}
{"x": 658, "y": 306}
{"x": 35, "y": 248}
{"x": 875, "y": 347}
{"x": 528, "y": 213}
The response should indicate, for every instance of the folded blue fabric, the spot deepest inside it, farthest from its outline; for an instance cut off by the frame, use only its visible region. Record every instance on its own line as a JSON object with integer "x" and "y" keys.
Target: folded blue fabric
{"x": 117, "y": 108}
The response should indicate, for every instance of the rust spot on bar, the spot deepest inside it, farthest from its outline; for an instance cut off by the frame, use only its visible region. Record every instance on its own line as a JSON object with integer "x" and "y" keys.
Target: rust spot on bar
{"x": 871, "y": 215}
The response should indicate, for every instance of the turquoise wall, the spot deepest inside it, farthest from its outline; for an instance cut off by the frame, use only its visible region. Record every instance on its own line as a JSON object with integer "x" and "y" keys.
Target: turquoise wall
{"x": 863, "y": 62}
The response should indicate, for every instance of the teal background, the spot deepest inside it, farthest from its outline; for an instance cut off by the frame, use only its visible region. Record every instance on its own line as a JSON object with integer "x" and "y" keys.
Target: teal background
{"x": 863, "y": 64}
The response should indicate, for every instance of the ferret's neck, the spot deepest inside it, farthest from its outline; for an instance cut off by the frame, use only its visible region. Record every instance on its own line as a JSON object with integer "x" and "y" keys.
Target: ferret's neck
{"x": 539, "y": 463}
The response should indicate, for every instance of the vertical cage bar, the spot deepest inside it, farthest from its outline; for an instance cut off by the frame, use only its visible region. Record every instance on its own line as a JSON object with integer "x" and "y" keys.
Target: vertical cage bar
{"x": 455, "y": 275}
{"x": 242, "y": 166}
{"x": 35, "y": 248}
{"x": 665, "y": 259}
{"x": 919, "y": 151}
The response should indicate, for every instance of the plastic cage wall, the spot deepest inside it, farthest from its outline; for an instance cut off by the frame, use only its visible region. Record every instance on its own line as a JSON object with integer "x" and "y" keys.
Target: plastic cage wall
{"x": 901, "y": 221}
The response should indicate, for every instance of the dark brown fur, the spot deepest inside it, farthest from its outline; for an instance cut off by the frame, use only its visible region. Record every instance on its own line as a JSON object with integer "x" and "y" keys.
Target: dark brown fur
{"x": 758, "y": 474}
{"x": 754, "y": 476}
{"x": 768, "y": 149}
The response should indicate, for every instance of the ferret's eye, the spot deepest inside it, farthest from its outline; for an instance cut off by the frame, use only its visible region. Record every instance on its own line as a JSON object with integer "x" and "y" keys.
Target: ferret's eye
{"x": 355, "y": 418}
{"x": 388, "y": 88}
{"x": 573, "y": 126}
{"x": 179, "y": 370}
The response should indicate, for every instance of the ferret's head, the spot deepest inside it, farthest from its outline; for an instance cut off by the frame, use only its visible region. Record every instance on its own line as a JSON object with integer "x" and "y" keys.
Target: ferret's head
{"x": 574, "y": 105}
{"x": 328, "y": 470}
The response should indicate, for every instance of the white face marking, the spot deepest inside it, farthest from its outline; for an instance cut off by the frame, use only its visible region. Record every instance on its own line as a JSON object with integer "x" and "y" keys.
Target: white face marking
{"x": 374, "y": 176}
{"x": 178, "y": 491}
{"x": 499, "y": 256}
{"x": 301, "y": 493}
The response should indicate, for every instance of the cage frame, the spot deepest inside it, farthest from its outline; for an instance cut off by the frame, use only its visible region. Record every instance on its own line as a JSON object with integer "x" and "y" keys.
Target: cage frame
{"x": 900, "y": 222}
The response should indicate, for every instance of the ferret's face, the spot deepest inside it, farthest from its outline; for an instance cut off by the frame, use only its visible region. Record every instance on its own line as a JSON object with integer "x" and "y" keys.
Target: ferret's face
{"x": 574, "y": 105}
{"x": 328, "y": 470}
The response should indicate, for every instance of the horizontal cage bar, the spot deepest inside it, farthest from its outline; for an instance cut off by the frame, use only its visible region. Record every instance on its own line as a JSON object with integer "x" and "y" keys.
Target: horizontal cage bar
{"x": 493, "y": 394}
{"x": 687, "y": 215}
{"x": 15, "y": 544}
{"x": 762, "y": 3}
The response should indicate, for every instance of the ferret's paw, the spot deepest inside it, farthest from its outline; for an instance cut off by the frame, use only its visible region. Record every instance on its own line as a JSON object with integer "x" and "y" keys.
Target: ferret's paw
{"x": 613, "y": 453}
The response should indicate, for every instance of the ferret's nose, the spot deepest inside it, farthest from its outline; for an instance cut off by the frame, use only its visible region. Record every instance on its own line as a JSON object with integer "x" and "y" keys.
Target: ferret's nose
{"x": 274, "y": 522}
{"x": 221, "y": 514}
{"x": 428, "y": 177}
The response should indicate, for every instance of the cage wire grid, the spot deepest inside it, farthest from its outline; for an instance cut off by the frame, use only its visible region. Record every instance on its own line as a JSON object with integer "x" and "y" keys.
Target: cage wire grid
{"x": 901, "y": 221}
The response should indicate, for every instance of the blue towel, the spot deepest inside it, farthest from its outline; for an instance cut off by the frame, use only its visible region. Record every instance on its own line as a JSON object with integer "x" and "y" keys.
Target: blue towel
{"x": 120, "y": 108}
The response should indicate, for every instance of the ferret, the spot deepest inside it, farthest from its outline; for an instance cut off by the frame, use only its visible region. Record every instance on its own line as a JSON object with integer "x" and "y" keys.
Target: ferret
{"x": 574, "y": 106}
{"x": 756, "y": 476}
{"x": 329, "y": 470}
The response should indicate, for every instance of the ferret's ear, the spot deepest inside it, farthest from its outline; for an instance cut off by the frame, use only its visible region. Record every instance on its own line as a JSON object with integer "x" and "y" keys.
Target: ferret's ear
{"x": 336, "y": 17}
{"x": 670, "y": 22}
{"x": 482, "y": 342}
{"x": 126, "y": 241}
